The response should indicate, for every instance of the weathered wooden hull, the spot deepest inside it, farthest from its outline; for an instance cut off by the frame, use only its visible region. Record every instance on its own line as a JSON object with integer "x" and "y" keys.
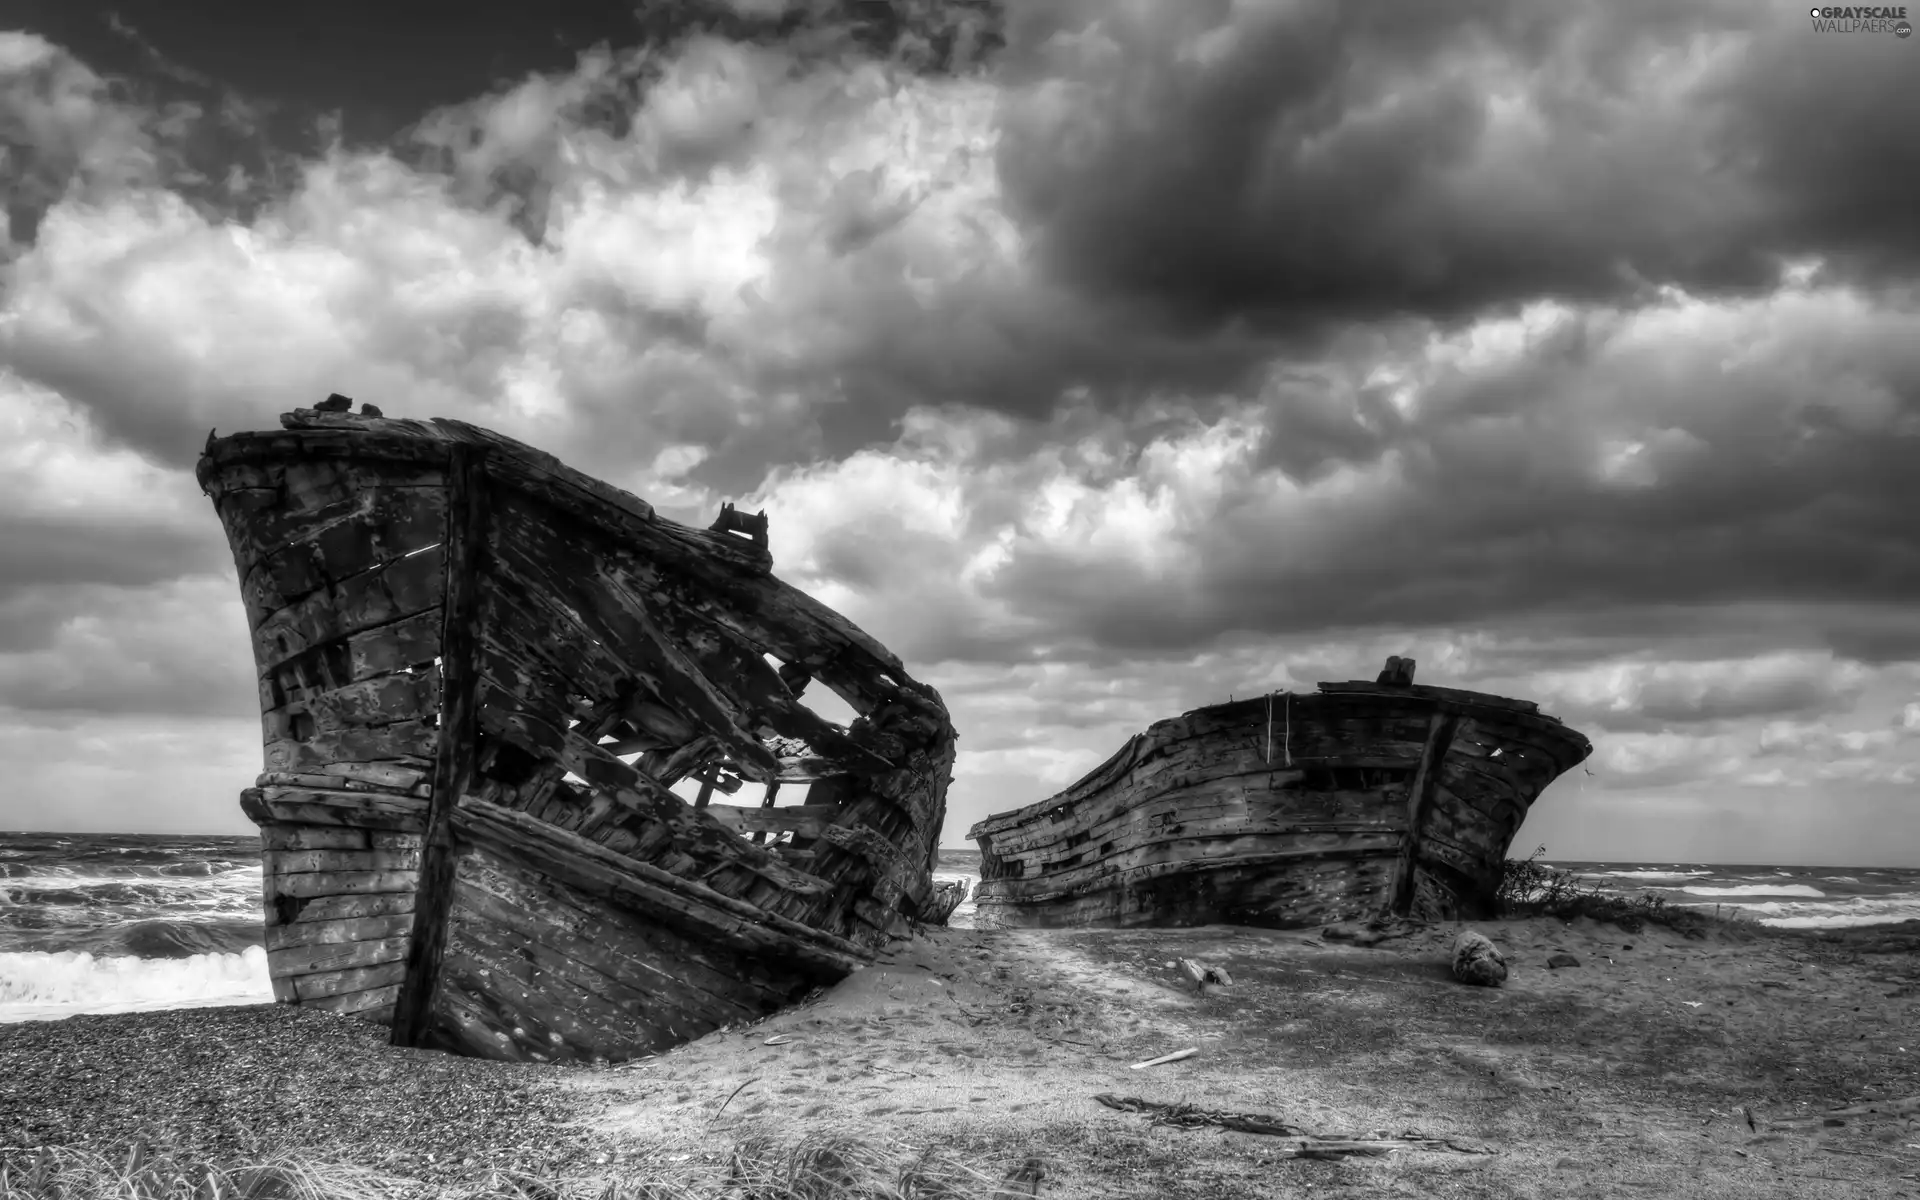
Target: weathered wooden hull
{"x": 1284, "y": 811}
{"x": 480, "y": 674}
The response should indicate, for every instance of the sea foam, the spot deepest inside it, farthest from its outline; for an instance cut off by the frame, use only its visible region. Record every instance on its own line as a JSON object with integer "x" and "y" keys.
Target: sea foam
{"x": 37, "y": 986}
{"x": 1857, "y": 910}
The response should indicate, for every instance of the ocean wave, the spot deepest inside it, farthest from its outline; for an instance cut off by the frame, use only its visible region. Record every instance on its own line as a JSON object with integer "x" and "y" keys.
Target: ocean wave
{"x": 174, "y": 939}
{"x": 1652, "y": 874}
{"x": 1854, "y": 911}
{"x": 152, "y": 937}
{"x": 146, "y": 892}
{"x": 1840, "y": 879}
{"x": 187, "y": 874}
{"x": 34, "y": 986}
{"x": 1759, "y": 889}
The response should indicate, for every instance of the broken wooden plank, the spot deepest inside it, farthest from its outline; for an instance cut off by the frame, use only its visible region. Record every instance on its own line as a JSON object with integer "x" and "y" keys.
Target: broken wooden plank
{"x": 354, "y": 979}
{"x": 803, "y": 820}
{"x": 289, "y": 862}
{"x": 592, "y": 868}
{"x": 339, "y": 931}
{"x": 316, "y": 957}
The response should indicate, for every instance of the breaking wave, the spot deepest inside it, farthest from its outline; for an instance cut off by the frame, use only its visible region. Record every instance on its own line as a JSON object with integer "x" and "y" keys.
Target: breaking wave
{"x": 41, "y": 985}
{"x": 1759, "y": 889}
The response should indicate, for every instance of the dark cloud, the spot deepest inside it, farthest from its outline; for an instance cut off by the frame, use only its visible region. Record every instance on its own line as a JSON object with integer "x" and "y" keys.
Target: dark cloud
{"x": 36, "y": 551}
{"x": 1325, "y": 162}
{"x": 1689, "y": 458}
{"x": 176, "y": 649}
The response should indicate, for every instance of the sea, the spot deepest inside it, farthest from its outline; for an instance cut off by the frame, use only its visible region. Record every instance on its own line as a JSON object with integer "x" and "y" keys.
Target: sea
{"x": 95, "y": 923}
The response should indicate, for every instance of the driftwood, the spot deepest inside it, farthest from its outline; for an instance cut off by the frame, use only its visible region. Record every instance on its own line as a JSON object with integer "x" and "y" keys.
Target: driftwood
{"x": 1302, "y": 1144}
{"x": 1176, "y": 1056}
{"x": 1201, "y": 974}
{"x": 481, "y": 674}
{"x": 1284, "y": 811}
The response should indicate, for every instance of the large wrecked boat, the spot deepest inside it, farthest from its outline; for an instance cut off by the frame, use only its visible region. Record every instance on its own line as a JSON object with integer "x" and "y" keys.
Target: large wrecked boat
{"x": 1285, "y": 811}
{"x": 482, "y": 675}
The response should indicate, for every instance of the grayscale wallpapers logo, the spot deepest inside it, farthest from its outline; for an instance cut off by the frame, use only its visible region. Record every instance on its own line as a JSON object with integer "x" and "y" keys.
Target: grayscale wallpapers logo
{"x": 1859, "y": 19}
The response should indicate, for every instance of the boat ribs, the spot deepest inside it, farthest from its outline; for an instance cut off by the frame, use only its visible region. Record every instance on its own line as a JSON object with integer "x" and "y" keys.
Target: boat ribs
{"x": 481, "y": 675}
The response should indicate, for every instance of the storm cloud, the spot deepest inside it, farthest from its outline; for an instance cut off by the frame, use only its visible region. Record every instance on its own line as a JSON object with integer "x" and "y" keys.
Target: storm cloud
{"x": 1103, "y": 360}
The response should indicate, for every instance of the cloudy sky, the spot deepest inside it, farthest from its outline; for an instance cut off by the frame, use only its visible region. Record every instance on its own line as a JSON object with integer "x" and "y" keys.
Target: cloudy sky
{"x": 1102, "y": 358}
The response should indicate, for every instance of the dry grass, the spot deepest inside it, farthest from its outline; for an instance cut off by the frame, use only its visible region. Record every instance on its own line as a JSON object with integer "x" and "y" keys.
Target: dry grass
{"x": 1530, "y": 888}
{"x": 813, "y": 1168}
{"x": 141, "y": 1173}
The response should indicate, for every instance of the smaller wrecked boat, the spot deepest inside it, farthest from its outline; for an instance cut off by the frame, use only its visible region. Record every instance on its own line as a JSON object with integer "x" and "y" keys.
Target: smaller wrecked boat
{"x": 1285, "y": 811}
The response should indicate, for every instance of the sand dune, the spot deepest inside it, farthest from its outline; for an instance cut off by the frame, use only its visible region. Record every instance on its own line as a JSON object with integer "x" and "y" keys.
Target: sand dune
{"x": 1633, "y": 1073}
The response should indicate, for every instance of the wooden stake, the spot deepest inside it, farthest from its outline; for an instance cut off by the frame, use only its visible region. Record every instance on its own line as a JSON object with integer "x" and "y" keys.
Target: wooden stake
{"x": 1419, "y": 795}
{"x": 453, "y": 762}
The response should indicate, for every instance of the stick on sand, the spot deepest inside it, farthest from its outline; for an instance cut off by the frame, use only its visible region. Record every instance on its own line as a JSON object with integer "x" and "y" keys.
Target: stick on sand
{"x": 1176, "y": 1056}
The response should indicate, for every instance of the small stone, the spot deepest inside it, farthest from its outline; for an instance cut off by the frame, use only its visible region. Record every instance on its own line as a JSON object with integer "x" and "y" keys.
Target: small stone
{"x": 1478, "y": 961}
{"x": 1562, "y": 960}
{"x": 371, "y": 410}
{"x": 335, "y": 402}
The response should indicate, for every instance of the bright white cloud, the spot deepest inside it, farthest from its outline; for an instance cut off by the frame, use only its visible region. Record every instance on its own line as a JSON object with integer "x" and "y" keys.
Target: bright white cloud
{"x": 819, "y": 287}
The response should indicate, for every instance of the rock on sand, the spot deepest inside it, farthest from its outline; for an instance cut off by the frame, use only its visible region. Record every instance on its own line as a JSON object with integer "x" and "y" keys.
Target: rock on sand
{"x": 1478, "y": 961}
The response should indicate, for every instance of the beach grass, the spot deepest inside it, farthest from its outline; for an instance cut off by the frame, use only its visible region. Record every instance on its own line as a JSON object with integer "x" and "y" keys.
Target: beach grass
{"x": 139, "y": 1172}
{"x": 819, "y": 1167}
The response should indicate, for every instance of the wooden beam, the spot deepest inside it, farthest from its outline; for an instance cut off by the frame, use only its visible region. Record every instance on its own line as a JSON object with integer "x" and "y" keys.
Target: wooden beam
{"x": 453, "y": 763}
{"x": 1399, "y": 672}
{"x": 1419, "y": 795}
{"x": 801, "y": 820}
{"x": 773, "y": 789}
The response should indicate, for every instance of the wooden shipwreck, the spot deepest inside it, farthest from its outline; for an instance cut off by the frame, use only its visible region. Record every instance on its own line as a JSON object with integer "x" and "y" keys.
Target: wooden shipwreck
{"x": 1285, "y": 811}
{"x": 481, "y": 674}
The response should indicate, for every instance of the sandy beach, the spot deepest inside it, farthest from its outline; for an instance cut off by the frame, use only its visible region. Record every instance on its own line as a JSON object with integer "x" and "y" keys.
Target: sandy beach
{"x": 1661, "y": 1065}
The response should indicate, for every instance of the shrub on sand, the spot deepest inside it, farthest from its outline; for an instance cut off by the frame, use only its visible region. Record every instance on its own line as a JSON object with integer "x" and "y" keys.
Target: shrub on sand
{"x": 1529, "y": 887}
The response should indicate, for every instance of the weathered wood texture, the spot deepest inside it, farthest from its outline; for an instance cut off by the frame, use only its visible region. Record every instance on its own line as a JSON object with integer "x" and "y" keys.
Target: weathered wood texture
{"x": 1317, "y": 808}
{"x": 339, "y": 910}
{"x": 453, "y": 763}
{"x": 540, "y": 968}
{"x": 598, "y": 631}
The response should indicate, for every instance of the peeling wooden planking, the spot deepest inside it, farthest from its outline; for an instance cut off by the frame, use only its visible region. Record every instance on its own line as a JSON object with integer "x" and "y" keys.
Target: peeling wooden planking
{"x": 316, "y": 806}
{"x": 354, "y": 979}
{"x": 294, "y": 961}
